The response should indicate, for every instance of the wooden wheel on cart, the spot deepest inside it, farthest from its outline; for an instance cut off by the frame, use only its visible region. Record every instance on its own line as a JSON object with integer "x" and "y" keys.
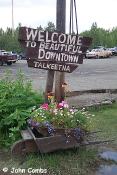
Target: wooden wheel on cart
{"x": 24, "y": 146}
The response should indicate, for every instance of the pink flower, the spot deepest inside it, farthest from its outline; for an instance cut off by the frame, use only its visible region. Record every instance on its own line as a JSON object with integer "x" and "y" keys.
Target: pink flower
{"x": 60, "y": 105}
{"x": 63, "y": 104}
{"x": 44, "y": 106}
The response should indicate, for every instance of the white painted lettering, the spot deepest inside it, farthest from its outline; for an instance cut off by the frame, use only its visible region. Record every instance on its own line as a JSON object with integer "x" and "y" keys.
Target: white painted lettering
{"x": 59, "y": 67}
{"x": 62, "y": 47}
{"x": 47, "y": 55}
{"x": 75, "y": 59}
{"x": 71, "y": 58}
{"x": 42, "y": 45}
{"x": 36, "y": 64}
{"x": 47, "y": 37}
{"x": 70, "y": 47}
{"x": 71, "y": 39}
{"x": 47, "y": 45}
{"x": 41, "y": 54}
{"x": 57, "y": 46}
{"x": 54, "y": 36}
{"x": 68, "y": 69}
{"x": 39, "y": 65}
{"x": 28, "y": 43}
{"x": 66, "y": 58}
{"x": 52, "y": 66}
{"x": 31, "y": 34}
{"x": 51, "y": 47}
{"x": 64, "y": 68}
{"x": 48, "y": 66}
{"x": 62, "y": 56}
{"x": 40, "y": 35}
{"x": 79, "y": 41}
{"x": 62, "y": 38}
{"x": 33, "y": 44}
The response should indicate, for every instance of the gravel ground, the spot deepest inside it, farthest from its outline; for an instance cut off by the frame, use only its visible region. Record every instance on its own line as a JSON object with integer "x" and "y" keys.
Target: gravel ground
{"x": 92, "y": 74}
{"x": 89, "y": 99}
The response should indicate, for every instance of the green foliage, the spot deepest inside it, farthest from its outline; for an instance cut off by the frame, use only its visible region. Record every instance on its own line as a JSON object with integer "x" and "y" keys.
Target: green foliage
{"x": 50, "y": 27}
{"x": 16, "y": 99}
{"x": 106, "y": 38}
{"x": 9, "y": 40}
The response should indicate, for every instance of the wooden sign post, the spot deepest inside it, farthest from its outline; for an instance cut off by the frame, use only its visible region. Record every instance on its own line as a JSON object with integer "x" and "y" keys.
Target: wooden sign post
{"x": 54, "y": 51}
{"x": 49, "y": 84}
{"x": 60, "y": 25}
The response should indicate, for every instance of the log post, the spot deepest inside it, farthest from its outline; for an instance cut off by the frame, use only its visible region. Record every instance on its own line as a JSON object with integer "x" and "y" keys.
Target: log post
{"x": 49, "y": 84}
{"x": 60, "y": 26}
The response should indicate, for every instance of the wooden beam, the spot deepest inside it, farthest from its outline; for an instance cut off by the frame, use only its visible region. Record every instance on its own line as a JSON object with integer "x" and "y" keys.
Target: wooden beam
{"x": 49, "y": 84}
{"x": 60, "y": 26}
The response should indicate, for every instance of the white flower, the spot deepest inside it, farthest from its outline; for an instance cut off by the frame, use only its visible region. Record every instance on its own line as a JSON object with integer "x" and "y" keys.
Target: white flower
{"x": 88, "y": 117}
{"x": 55, "y": 110}
{"x": 66, "y": 105}
{"x": 84, "y": 113}
{"x": 68, "y": 113}
{"x": 72, "y": 112}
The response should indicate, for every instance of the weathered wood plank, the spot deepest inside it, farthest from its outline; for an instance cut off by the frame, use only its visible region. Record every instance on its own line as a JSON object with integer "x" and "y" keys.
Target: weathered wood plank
{"x": 50, "y": 144}
{"x": 52, "y": 66}
{"x": 26, "y": 135}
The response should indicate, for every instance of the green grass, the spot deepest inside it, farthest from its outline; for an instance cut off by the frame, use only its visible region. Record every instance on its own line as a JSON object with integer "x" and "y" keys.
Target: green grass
{"x": 69, "y": 162}
{"x": 106, "y": 120}
{"x": 81, "y": 161}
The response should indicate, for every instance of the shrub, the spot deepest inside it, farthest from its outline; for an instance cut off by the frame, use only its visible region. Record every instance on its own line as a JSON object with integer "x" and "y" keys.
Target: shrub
{"x": 16, "y": 100}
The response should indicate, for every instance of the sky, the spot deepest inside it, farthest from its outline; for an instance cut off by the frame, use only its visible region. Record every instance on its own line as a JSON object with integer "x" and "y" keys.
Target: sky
{"x": 33, "y": 13}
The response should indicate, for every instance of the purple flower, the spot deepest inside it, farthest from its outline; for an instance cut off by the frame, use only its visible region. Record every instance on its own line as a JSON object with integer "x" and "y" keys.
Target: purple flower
{"x": 33, "y": 123}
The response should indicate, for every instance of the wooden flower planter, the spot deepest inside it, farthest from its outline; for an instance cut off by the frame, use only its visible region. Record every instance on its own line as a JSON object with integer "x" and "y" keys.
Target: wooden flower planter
{"x": 38, "y": 140}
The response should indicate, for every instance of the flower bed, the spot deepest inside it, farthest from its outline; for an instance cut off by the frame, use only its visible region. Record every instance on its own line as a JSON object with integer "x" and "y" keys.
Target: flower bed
{"x": 52, "y": 119}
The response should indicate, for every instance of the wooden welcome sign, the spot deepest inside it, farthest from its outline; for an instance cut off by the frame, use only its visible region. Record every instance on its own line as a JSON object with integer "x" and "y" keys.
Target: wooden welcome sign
{"x": 52, "y": 50}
